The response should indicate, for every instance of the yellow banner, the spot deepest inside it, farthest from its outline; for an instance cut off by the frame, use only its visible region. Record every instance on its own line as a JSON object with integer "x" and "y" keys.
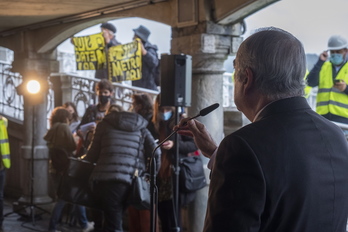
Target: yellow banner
{"x": 125, "y": 62}
{"x": 90, "y": 52}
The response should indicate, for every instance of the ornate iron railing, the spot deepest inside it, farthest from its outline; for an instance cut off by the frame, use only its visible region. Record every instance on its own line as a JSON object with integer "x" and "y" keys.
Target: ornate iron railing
{"x": 80, "y": 90}
{"x": 11, "y": 104}
{"x": 74, "y": 88}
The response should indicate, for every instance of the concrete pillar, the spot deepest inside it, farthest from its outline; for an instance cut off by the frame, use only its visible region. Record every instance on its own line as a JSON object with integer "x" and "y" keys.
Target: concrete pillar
{"x": 35, "y": 178}
{"x": 209, "y": 45}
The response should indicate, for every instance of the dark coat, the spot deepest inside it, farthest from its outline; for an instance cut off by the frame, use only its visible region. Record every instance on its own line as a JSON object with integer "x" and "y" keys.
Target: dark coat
{"x": 286, "y": 172}
{"x": 121, "y": 139}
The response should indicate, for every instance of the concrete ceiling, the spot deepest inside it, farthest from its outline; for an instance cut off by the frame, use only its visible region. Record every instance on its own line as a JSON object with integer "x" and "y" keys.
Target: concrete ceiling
{"x": 19, "y": 14}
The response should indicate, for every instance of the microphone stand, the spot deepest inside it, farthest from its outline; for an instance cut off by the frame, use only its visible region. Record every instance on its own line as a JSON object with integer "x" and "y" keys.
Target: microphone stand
{"x": 153, "y": 186}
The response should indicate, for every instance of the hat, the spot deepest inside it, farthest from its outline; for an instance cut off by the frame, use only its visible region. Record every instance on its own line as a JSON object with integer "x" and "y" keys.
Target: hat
{"x": 337, "y": 42}
{"x": 109, "y": 26}
{"x": 142, "y": 32}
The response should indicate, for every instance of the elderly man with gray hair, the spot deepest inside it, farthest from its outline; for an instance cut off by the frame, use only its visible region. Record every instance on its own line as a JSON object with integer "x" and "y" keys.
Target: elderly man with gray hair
{"x": 287, "y": 171}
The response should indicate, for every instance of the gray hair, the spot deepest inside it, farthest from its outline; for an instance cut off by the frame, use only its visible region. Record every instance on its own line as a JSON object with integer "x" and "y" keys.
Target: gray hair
{"x": 277, "y": 60}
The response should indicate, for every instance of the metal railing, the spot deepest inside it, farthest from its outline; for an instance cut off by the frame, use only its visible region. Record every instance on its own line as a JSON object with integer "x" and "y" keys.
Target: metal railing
{"x": 11, "y": 104}
{"x": 80, "y": 90}
{"x": 74, "y": 88}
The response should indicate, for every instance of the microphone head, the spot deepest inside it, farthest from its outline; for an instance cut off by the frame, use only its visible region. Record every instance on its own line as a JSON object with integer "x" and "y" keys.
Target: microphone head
{"x": 208, "y": 109}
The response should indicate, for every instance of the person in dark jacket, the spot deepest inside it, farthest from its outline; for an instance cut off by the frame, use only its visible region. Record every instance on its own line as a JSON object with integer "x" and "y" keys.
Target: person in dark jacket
{"x": 287, "y": 170}
{"x": 121, "y": 144}
{"x": 94, "y": 114}
{"x": 161, "y": 126}
{"x": 139, "y": 220}
{"x": 149, "y": 60}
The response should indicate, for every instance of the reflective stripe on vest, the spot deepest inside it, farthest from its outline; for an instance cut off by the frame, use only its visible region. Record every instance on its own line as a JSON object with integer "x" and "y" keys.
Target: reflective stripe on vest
{"x": 329, "y": 99}
{"x": 4, "y": 145}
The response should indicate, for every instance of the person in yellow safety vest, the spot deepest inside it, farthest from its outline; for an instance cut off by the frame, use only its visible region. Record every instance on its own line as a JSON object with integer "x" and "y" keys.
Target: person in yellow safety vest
{"x": 330, "y": 74}
{"x": 5, "y": 164}
{"x": 307, "y": 89}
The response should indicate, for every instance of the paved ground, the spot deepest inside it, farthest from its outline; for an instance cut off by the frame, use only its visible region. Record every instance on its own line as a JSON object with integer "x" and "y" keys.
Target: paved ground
{"x": 23, "y": 223}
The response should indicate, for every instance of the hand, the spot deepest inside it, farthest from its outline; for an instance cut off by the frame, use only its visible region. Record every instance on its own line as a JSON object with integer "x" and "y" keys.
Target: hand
{"x": 107, "y": 36}
{"x": 201, "y": 136}
{"x": 341, "y": 86}
{"x": 167, "y": 145}
{"x": 143, "y": 50}
{"x": 324, "y": 55}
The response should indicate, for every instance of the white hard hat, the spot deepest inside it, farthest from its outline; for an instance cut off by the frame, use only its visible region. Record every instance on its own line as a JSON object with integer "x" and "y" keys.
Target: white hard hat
{"x": 337, "y": 42}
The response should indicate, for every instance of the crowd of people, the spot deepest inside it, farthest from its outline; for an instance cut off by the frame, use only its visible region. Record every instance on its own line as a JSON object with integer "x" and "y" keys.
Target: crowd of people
{"x": 120, "y": 141}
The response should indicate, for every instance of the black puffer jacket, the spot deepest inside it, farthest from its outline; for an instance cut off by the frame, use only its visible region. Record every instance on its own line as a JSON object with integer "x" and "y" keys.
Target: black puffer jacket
{"x": 119, "y": 140}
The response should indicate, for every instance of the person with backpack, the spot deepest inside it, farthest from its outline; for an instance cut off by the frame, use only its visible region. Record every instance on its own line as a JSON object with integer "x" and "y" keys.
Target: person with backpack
{"x": 150, "y": 77}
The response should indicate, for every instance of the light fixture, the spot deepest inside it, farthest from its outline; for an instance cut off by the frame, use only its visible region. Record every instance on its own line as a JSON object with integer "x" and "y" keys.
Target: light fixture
{"x": 34, "y": 90}
{"x": 33, "y": 86}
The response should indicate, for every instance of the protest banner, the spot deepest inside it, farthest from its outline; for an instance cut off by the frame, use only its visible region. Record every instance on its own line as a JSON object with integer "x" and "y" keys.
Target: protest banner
{"x": 90, "y": 52}
{"x": 125, "y": 62}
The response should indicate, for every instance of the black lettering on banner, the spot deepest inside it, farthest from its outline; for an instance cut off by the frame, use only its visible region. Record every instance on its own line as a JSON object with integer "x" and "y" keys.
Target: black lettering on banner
{"x": 125, "y": 62}
{"x": 89, "y": 52}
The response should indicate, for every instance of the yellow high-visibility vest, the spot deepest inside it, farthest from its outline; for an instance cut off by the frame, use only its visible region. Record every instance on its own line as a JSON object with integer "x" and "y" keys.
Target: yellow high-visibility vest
{"x": 4, "y": 144}
{"x": 329, "y": 99}
{"x": 307, "y": 89}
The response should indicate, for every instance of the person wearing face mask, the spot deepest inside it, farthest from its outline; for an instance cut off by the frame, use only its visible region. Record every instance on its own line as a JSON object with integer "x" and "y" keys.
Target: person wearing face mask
{"x": 95, "y": 113}
{"x": 330, "y": 74}
{"x": 161, "y": 126}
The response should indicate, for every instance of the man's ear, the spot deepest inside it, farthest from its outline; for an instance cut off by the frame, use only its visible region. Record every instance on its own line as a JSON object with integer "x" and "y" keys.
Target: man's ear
{"x": 248, "y": 81}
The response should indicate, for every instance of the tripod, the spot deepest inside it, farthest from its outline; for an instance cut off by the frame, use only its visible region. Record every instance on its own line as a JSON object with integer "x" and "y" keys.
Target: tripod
{"x": 31, "y": 204}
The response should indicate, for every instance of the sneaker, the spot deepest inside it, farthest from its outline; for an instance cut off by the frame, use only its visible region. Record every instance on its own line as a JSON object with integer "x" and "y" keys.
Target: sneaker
{"x": 89, "y": 227}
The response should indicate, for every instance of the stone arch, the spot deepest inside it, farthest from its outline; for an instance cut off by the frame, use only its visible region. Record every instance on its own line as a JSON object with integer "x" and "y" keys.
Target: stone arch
{"x": 57, "y": 34}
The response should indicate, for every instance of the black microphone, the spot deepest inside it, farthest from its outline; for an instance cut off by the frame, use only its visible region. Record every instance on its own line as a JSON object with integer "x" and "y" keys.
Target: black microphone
{"x": 203, "y": 112}
{"x": 206, "y": 110}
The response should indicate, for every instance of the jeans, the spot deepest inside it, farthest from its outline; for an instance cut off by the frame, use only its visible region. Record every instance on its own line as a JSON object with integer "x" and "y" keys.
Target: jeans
{"x": 59, "y": 206}
{"x": 57, "y": 211}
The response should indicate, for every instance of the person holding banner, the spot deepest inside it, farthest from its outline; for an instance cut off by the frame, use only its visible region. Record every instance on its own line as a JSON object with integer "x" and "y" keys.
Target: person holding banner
{"x": 150, "y": 60}
{"x": 109, "y": 34}
{"x": 91, "y": 51}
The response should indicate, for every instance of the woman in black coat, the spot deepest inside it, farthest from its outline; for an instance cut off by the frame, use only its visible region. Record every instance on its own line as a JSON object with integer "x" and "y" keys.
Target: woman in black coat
{"x": 121, "y": 144}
